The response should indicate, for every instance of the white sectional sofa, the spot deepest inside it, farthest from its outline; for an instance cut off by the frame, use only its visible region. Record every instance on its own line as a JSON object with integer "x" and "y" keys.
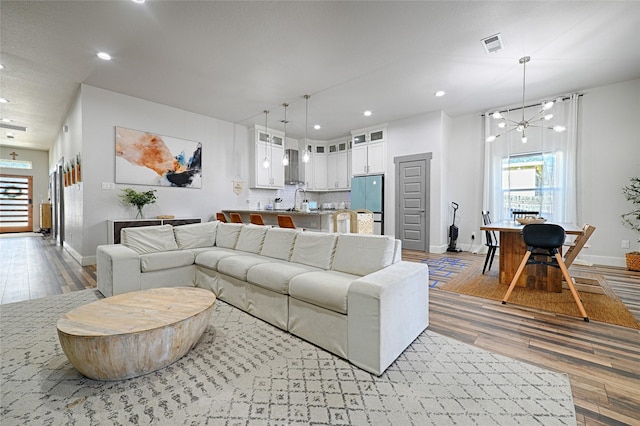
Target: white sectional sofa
{"x": 350, "y": 294}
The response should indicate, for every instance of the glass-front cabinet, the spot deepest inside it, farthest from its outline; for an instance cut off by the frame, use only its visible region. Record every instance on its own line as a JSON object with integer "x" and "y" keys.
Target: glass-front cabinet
{"x": 267, "y": 170}
{"x": 369, "y": 151}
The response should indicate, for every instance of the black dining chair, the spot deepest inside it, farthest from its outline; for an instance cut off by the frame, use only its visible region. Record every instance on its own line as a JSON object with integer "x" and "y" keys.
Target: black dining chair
{"x": 492, "y": 242}
{"x": 547, "y": 239}
{"x": 523, "y": 213}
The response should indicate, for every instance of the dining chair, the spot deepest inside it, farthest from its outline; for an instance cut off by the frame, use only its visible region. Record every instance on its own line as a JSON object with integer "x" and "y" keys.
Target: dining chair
{"x": 492, "y": 242}
{"x": 345, "y": 222}
{"x": 364, "y": 221}
{"x": 547, "y": 239}
{"x": 256, "y": 219}
{"x": 523, "y": 213}
{"x": 235, "y": 218}
{"x": 285, "y": 221}
{"x": 221, "y": 217}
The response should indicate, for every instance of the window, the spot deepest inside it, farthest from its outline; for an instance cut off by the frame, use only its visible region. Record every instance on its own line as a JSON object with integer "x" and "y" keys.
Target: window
{"x": 15, "y": 164}
{"x": 529, "y": 182}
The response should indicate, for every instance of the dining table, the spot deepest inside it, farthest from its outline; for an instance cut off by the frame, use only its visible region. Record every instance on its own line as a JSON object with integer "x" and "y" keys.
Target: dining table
{"x": 512, "y": 250}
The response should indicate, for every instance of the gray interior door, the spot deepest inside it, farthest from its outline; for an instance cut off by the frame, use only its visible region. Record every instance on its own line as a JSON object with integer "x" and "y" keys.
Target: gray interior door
{"x": 412, "y": 201}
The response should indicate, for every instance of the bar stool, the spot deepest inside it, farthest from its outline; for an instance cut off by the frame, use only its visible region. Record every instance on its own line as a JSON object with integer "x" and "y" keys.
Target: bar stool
{"x": 285, "y": 221}
{"x": 549, "y": 237}
{"x": 235, "y": 218}
{"x": 221, "y": 217}
{"x": 256, "y": 219}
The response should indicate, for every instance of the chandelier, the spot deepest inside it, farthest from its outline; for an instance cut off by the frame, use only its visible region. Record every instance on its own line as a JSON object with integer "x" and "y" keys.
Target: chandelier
{"x": 537, "y": 120}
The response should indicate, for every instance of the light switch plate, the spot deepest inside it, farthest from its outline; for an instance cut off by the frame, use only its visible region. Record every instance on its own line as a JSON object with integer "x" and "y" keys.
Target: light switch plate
{"x": 108, "y": 185}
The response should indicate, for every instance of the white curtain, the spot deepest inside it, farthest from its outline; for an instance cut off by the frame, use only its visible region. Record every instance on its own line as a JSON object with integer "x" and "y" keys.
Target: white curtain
{"x": 548, "y": 159}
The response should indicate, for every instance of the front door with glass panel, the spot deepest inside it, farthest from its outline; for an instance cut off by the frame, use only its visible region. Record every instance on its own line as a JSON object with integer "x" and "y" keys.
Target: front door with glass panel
{"x": 16, "y": 206}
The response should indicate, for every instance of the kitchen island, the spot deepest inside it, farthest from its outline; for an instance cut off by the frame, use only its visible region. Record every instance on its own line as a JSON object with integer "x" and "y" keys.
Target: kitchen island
{"x": 315, "y": 220}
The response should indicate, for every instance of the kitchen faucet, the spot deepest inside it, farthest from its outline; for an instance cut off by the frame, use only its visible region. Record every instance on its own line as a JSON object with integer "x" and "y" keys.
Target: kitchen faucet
{"x": 295, "y": 198}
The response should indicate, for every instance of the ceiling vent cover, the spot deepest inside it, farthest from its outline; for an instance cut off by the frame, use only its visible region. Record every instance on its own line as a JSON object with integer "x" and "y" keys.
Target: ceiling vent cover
{"x": 12, "y": 127}
{"x": 492, "y": 44}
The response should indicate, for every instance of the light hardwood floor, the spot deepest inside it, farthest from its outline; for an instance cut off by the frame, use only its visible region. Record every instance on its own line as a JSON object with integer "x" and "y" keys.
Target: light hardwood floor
{"x": 602, "y": 361}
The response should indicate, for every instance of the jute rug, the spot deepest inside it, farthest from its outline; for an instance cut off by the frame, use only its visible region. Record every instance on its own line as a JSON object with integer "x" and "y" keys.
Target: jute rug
{"x": 247, "y": 372}
{"x": 600, "y": 307}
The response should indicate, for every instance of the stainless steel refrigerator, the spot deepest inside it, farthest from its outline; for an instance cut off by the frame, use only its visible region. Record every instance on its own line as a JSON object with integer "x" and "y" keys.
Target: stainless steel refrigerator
{"x": 367, "y": 192}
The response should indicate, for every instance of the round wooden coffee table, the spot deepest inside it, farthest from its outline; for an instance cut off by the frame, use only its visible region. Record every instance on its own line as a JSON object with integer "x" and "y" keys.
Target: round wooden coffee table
{"x": 132, "y": 334}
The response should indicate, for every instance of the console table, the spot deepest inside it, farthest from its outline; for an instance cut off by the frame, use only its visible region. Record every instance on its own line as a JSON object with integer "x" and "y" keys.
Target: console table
{"x": 115, "y": 226}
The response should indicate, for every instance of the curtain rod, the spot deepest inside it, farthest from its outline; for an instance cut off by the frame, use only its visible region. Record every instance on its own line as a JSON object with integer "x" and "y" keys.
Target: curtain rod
{"x": 564, "y": 98}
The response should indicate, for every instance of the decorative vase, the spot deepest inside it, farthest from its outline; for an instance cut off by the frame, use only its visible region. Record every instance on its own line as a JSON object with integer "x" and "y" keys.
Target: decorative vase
{"x": 633, "y": 261}
{"x": 140, "y": 215}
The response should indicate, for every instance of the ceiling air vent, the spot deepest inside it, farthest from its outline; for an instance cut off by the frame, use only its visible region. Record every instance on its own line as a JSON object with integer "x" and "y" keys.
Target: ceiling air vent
{"x": 493, "y": 43}
{"x": 12, "y": 127}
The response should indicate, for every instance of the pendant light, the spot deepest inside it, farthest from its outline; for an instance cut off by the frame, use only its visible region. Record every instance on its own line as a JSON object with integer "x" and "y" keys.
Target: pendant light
{"x": 285, "y": 158}
{"x": 266, "y": 163}
{"x": 306, "y": 155}
{"x": 523, "y": 124}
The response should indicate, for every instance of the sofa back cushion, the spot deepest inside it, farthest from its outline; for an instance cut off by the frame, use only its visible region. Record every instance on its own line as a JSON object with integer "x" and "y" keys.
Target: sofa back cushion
{"x": 278, "y": 243}
{"x": 196, "y": 235}
{"x": 251, "y": 238}
{"x": 314, "y": 249}
{"x": 149, "y": 239}
{"x": 360, "y": 254}
{"x": 227, "y": 235}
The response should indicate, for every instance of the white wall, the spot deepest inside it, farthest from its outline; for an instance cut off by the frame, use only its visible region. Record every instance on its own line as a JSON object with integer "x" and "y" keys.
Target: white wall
{"x": 39, "y": 161}
{"x": 224, "y": 157}
{"x": 609, "y": 154}
{"x": 418, "y": 135}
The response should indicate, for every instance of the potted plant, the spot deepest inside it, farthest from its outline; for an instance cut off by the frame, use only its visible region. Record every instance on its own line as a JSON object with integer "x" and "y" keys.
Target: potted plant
{"x": 138, "y": 199}
{"x": 632, "y": 219}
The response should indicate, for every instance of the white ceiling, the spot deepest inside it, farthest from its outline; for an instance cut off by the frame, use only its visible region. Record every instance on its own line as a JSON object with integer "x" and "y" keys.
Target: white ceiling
{"x": 232, "y": 60}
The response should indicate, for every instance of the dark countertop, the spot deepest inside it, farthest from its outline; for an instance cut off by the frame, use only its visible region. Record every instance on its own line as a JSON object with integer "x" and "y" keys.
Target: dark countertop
{"x": 276, "y": 212}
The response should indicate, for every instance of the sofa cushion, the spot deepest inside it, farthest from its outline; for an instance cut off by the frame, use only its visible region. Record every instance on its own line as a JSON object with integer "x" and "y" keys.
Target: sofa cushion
{"x": 327, "y": 289}
{"x": 210, "y": 258}
{"x": 165, "y": 260}
{"x": 276, "y": 275}
{"x": 278, "y": 243}
{"x": 227, "y": 235}
{"x": 238, "y": 266}
{"x": 363, "y": 254}
{"x": 251, "y": 238}
{"x": 196, "y": 235}
{"x": 314, "y": 249}
{"x": 149, "y": 239}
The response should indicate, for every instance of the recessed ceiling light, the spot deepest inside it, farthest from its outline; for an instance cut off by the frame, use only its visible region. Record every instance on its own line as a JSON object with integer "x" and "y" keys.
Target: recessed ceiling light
{"x": 367, "y": 113}
{"x": 3, "y": 101}
{"x": 317, "y": 127}
{"x": 104, "y": 56}
{"x": 138, "y": 1}
{"x": 7, "y": 120}
{"x": 440, "y": 93}
{"x": 1, "y": 66}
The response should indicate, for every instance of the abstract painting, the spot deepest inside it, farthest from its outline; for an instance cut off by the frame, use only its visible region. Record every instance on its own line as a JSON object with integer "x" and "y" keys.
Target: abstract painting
{"x": 149, "y": 159}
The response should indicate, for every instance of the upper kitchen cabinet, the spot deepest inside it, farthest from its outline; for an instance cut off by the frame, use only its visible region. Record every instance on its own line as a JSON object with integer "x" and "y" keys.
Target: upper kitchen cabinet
{"x": 339, "y": 165}
{"x": 268, "y": 149}
{"x": 306, "y": 167}
{"x": 319, "y": 167}
{"x": 369, "y": 151}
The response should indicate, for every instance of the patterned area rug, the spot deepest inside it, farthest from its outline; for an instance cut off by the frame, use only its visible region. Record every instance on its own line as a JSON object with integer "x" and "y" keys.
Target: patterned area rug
{"x": 444, "y": 269}
{"x": 246, "y": 372}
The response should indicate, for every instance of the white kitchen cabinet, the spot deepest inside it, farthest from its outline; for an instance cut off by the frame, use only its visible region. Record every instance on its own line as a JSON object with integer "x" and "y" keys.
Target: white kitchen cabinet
{"x": 369, "y": 151}
{"x": 267, "y": 144}
{"x": 319, "y": 167}
{"x": 338, "y": 166}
